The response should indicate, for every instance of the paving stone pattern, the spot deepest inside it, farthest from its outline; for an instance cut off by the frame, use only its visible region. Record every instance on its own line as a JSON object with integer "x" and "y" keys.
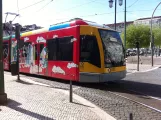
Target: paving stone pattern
{"x": 114, "y": 105}
{"x": 33, "y": 102}
{"x": 117, "y": 106}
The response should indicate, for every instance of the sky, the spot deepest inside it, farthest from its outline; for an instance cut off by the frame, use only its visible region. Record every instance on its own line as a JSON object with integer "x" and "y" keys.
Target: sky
{"x": 48, "y": 12}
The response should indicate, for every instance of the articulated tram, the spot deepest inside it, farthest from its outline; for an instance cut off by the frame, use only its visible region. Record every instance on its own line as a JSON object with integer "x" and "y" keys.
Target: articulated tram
{"x": 50, "y": 52}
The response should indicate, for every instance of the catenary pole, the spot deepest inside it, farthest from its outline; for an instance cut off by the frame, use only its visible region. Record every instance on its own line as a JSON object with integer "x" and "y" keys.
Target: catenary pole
{"x": 152, "y": 37}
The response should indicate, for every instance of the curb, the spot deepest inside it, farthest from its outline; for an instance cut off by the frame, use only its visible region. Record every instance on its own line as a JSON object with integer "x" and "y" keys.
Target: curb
{"x": 135, "y": 71}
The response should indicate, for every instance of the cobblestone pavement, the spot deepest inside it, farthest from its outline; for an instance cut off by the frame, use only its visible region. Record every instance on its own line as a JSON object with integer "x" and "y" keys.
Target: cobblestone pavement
{"x": 31, "y": 102}
{"x": 117, "y": 106}
{"x": 114, "y": 105}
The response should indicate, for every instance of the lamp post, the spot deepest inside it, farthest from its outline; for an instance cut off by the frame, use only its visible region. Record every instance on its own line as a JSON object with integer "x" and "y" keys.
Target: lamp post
{"x": 152, "y": 38}
{"x": 111, "y": 5}
{"x": 3, "y": 95}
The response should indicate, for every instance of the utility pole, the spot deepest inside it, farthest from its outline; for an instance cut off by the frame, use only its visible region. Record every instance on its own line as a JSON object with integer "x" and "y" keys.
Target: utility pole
{"x": 138, "y": 52}
{"x": 115, "y": 12}
{"x": 3, "y": 95}
{"x": 125, "y": 29}
{"x": 18, "y": 40}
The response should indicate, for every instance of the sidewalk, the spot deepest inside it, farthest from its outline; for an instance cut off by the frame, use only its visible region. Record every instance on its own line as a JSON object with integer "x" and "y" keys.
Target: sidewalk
{"x": 28, "y": 101}
{"x": 131, "y": 68}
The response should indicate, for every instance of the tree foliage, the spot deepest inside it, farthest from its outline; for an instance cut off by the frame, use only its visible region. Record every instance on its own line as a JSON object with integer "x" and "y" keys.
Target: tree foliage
{"x": 137, "y": 33}
{"x": 157, "y": 36}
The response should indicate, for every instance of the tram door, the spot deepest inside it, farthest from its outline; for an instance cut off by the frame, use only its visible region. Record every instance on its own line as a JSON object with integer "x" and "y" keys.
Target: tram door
{"x": 42, "y": 61}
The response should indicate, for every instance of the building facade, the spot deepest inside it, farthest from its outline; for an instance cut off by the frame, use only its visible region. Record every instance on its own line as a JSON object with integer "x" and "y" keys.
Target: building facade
{"x": 147, "y": 21}
{"x": 120, "y": 26}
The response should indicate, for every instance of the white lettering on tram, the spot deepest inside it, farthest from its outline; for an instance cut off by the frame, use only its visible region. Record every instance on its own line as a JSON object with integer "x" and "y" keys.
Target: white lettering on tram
{"x": 73, "y": 39}
{"x": 26, "y": 39}
{"x": 40, "y": 40}
{"x": 58, "y": 70}
{"x": 72, "y": 65}
{"x": 55, "y": 36}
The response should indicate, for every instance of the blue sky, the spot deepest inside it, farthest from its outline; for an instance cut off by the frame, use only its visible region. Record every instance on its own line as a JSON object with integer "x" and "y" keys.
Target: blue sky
{"x": 50, "y": 12}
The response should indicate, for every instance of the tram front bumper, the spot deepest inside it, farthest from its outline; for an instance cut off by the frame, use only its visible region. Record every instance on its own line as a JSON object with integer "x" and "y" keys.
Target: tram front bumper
{"x": 101, "y": 77}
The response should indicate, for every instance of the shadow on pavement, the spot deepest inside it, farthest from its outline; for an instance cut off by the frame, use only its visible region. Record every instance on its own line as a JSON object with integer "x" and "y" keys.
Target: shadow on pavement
{"x": 82, "y": 104}
{"x": 118, "y": 86}
{"x": 146, "y": 88}
{"x": 15, "y": 106}
{"x": 23, "y": 82}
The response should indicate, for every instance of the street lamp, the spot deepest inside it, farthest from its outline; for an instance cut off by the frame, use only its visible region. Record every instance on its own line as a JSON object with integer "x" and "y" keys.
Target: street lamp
{"x": 120, "y": 2}
{"x": 151, "y": 32}
{"x": 111, "y": 5}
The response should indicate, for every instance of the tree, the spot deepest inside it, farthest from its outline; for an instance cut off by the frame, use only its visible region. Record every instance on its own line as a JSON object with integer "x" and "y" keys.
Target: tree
{"x": 137, "y": 33}
{"x": 157, "y": 36}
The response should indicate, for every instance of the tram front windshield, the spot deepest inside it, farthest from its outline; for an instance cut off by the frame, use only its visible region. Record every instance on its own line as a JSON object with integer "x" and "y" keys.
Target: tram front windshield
{"x": 113, "y": 48}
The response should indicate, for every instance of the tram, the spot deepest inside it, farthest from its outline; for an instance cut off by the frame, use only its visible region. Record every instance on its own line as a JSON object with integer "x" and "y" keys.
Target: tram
{"x": 50, "y": 52}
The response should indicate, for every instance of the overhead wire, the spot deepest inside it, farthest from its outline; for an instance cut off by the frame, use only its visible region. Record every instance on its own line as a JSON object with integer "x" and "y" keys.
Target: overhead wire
{"x": 60, "y": 11}
{"x": 17, "y": 7}
{"x": 76, "y": 6}
{"x": 80, "y": 6}
{"x": 45, "y": 6}
{"x": 133, "y": 4}
{"x": 143, "y": 10}
{"x": 31, "y": 5}
{"x": 89, "y": 15}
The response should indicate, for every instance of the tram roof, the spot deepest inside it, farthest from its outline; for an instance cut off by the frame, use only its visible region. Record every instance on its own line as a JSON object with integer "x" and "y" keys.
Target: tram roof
{"x": 62, "y": 25}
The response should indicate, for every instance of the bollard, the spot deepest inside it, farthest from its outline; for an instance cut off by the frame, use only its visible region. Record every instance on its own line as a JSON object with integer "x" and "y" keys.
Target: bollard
{"x": 131, "y": 116}
{"x": 71, "y": 92}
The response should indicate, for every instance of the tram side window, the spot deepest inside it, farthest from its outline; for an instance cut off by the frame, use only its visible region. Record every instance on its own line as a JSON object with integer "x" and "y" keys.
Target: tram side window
{"x": 35, "y": 52}
{"x": 60, "y": 49}
{"x": 5, "y": 50}
{"x": 89, "y": 51}
{"x": 51, "y": 45}
{"x": 65, "y": 49}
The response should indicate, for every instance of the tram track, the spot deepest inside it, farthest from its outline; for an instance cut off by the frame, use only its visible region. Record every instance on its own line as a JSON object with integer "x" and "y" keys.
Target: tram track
{"x": 142, "y": 96}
